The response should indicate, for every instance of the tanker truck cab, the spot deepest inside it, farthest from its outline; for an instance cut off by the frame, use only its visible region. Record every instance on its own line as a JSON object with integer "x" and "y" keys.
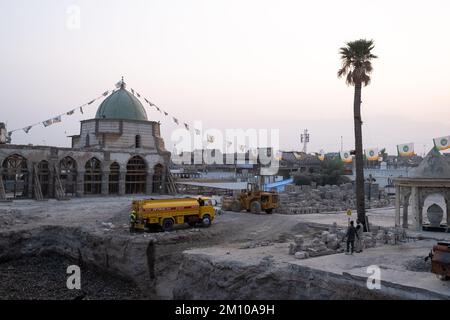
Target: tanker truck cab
{"x": 166, "y": 213}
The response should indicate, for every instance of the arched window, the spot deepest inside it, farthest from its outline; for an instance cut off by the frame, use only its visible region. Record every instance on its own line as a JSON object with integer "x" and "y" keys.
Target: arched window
{"x": 93, "y": 177}
{"x": 68, "y": 175}
{"x": 136, "y": 178}
{"x": 137, "y": 141}
{"x": 15, "y": 176}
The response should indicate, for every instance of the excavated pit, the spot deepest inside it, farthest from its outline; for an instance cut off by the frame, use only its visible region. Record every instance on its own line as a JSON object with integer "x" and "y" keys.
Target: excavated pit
{"x": 147, "y": 265}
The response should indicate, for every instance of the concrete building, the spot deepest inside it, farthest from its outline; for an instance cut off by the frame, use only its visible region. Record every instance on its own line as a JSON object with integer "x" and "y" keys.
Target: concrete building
{"x": 118, "y": 152}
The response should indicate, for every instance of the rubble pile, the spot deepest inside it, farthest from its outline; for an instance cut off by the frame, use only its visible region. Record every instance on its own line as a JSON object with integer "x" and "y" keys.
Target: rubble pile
{"x": 332, "y": 241}
{"x": 309, "y": 199}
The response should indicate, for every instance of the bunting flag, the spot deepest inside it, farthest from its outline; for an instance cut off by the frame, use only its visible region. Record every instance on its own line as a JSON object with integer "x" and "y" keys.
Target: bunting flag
{"x": 138, "y": 95}
{"x": 372, "y": 154}
{"x": 175, "y": 120}
{"x": 158, "y": 109}
{"x": 405, "y": 150}
{"x": 152, "y": 104}
{"x": 166, "y": 114}
{"x": 48, "y": 122}
{"x": 197, "y": 132}
{"x": 147, "y": 100}
{"x": 56, "y": 119}
{"x": 132, "y": 91}
{"x": 210, "y": 139}
{"x": 442, "y": 143}
{"x": 346, "y": 157}
{"x": 186, "y": 126}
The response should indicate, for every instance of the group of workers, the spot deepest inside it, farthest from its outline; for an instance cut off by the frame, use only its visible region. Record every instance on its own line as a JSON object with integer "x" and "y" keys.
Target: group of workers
{"x": 354, "y": 238}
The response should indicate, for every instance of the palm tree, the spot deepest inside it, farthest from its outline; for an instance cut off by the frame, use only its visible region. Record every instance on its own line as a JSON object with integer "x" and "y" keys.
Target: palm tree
{"x": 356, "y": 59}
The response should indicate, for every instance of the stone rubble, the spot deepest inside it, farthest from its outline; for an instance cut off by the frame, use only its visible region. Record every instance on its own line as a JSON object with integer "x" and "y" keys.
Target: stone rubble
{"x": 332, "y": 241}
{"x": 309, "y": 199}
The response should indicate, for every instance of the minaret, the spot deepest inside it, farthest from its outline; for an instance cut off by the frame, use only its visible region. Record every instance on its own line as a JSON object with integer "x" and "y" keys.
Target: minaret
{"x": 304, "y": 138}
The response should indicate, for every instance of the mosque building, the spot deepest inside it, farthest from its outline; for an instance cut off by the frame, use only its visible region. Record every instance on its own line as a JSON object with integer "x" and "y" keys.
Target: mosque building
{"x": 118, "y": 152}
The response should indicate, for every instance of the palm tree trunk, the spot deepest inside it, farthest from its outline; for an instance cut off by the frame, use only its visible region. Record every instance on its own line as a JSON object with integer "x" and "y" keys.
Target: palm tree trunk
{"x": 359, "y": 162}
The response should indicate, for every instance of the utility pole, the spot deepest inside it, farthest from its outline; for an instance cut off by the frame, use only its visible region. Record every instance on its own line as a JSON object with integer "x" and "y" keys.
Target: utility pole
{"x": 342, "y": 144}
{"x": 304, "y": 138}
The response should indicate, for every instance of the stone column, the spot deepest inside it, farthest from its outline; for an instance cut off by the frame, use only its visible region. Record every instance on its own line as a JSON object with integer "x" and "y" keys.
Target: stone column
{"x": 51, "y": 180}
{"x": 397, "y": 205}
{"x": 149, "y": 183}
{"x": 415, "y": 208}
{"x": 80, "y": 183}
{"x": 30, "y": 191}
{"x": 447, "y": 204}
{"x": 405, "y": 212}
{"x": 122, "y": 177}
{"x": 105, "y": 183}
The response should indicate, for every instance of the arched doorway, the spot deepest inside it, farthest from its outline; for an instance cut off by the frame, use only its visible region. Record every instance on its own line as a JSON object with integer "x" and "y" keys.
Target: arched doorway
{"x": 68, "y": 175}
{"x": 15, "y": 176}
{"x": 114, "y": 173}
{"x": 136, "y": 178}
{"x": 43, "y": 173}
{"x": 158, "y": 177}
{"x": 93, "y": 177}
{"x": 434, "y": 198}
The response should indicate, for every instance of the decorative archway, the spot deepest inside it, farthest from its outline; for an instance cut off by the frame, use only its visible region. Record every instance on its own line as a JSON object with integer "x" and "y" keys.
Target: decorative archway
{"x": 16, "y": 176}
{"x": 68, "y": 175}
{"x": 158, "y": 178}
{"x": 93, "y": 177}
{"x": 136, "y": 177}
{"x": 43, "y": 174}
{"x": 114, "y": 174}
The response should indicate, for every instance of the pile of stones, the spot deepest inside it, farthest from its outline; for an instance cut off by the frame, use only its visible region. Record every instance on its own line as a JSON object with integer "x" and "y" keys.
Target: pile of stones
{"x": 331, "y": 241}
{"x": 310, "y": 199}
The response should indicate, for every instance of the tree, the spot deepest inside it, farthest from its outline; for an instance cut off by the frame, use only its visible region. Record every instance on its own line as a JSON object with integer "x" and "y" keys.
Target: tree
{"x": 356, "y": 66}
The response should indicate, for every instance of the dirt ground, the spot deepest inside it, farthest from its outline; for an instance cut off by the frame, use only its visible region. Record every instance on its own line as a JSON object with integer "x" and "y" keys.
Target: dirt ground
{"x": 108, "y": 217}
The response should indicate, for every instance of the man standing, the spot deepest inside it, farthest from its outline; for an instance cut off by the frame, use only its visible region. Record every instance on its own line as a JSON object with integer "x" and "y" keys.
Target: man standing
{"x": 350, "y": 235}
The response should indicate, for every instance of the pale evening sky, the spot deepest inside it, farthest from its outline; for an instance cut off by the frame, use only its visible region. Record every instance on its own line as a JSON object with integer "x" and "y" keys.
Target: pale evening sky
{"x": 231, "y": 64}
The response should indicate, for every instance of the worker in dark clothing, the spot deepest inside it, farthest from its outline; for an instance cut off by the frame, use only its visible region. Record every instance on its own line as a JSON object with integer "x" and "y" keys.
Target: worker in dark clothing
{"x": 350, "y": 235}
{"x": 201, "y": 202}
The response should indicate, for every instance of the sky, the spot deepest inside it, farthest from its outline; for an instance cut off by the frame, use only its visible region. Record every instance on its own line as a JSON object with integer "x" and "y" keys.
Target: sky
{"x": 261, "y": 64}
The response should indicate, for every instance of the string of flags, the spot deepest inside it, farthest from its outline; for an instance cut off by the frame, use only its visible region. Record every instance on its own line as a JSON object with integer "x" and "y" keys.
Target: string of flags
{"x": 209, "y": 139}
{"x": 58, "y": 118}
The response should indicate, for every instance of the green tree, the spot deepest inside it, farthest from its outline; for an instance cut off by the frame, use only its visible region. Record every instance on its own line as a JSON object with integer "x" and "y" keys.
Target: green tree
{"x": 356, "y": 59}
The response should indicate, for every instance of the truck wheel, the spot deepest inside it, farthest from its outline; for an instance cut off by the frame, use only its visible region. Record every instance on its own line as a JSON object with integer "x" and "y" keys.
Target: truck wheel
{"x": 236, "y": 206}
{"x": 269, "y": 211}
{"x": 167, "y": 224}
{"x": 206, "y": 221}
{"x": 255, "y": 207}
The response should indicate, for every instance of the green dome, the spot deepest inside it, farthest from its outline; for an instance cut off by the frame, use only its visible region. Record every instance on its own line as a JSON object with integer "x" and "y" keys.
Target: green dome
{"x": 121, "y": 105}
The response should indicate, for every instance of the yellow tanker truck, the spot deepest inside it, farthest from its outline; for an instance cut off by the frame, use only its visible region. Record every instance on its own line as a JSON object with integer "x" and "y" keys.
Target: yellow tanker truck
{"x": 165, "y": 213}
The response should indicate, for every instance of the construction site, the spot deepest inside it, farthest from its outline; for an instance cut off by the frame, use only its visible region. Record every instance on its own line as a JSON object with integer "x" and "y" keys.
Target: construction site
{"x": 224, "y": 159}
{"x": 141, "y": 227}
